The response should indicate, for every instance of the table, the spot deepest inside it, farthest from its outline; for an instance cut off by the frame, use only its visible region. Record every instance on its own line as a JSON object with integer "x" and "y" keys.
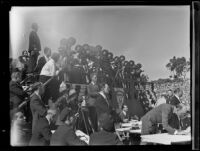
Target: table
{"x": 165, "y": 138}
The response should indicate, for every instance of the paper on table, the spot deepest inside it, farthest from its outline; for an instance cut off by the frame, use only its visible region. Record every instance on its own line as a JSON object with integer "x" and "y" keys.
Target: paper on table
{"x": 165, "y": 138}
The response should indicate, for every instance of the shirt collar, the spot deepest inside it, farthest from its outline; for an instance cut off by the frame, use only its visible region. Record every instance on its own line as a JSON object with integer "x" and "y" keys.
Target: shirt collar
{"x": 93, "y": 83}
{"x": 46, "y": 58}
{"x": 38, "y": 95}
{"x": 177, "y": 96}
{"x": 101, "y": 93}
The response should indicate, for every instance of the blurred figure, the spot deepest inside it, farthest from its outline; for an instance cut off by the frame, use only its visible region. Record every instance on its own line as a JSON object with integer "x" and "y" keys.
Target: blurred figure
{"x": 106, "y": 135}
{"x": 17, "y": 94}
{"x": 65, "y": 135}
{"x": 17, "y": 135}
{"x": 41, "y": 133}
{"x": 34, "y": 47}
{"x": 124, "y": 114}
{"x": 37, "y": 106}
{"x": 92, "y": 90}
{"x": 161, "y": 100}
{"x": 43, "y": 60}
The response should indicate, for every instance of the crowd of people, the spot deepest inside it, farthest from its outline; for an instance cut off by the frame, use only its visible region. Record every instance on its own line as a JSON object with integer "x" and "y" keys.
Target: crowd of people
{"x": 42, "y": 95}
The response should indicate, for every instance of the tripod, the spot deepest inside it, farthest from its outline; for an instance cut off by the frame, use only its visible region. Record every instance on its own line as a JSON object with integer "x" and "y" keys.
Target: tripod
{"x": 80, "y": 112}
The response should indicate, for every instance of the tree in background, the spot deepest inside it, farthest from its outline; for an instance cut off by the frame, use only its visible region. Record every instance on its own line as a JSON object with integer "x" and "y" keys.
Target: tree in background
{"x": 179, "y": 67}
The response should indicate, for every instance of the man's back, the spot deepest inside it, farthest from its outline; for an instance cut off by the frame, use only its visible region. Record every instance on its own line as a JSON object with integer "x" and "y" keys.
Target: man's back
{"x": 104, "y": 138}
{"x": 65, "y": 135}
{"x": 41, "y": 133}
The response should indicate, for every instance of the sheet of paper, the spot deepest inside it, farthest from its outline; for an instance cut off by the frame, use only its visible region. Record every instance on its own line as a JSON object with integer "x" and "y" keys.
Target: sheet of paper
{"x": 165, "y": 138}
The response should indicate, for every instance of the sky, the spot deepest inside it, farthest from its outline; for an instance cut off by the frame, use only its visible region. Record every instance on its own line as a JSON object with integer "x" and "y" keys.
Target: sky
{"x": 150, "y": 35}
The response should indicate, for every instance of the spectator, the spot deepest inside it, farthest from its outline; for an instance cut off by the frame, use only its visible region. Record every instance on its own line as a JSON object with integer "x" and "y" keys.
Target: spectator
{"x": 65, "y": 135}
{"x": 106, "y": 135}
{"x": 41, "y": 132}
{"x": 124, "y": 114}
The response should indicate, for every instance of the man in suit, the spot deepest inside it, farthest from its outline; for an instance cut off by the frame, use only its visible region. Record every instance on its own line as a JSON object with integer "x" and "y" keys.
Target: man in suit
{"x": 17, "y": 94}
{"x": 65, "y": 135}
{"x": 37, "y": 106}
{"x": 175, "y": 100}
{"x": 161, "y": 114}
{"x": 92, "y": 90}
{"x": 124, "y": 113}
{"x": 102, "y": 103}
{"x": 106, "y": 135}
{"x": 43, "y": 60}
{"x": 169, "y": 96}
{"x": 34, "y": 47}
{"x": 41, "y": 133}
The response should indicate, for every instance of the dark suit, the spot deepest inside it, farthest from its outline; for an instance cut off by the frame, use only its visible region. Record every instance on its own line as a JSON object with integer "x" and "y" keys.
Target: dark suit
{"x": 104, "y": 138}
{"x": 92, "y": 91}
{"x": 17, "y": 94}
{"x": 65, "y": 136}
{"x": 41, "y": 133}
{"x": 123, "y": 116}
{"x": 174, "y": 101}
{"x": 37, "y": 108}
{"x": 102, "y": 106}
{"x": 160, "y": 114}
{"x": 40, "y": 64}
{"x": 35, "y": 46}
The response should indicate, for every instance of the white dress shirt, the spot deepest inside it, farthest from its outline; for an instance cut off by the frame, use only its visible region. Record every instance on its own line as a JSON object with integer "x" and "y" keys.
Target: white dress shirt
{"x": 49, "y": 68}
{"x": 101, "y": 93}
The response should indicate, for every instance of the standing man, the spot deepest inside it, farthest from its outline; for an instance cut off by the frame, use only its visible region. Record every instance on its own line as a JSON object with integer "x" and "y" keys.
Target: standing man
{"x": 102, "y": 102}
{"x": 175, "y": 100}
{"x": 169, "y": 96}
{"x": 49, "y": 72}
{"x": 37, "y": 106}
{"x": 93, "y": 90}
{"x": 43, "y": 60}
{"x": 41, "y": 133}
{"x": 161, "y": 114}
{"x": 34, "y": 47}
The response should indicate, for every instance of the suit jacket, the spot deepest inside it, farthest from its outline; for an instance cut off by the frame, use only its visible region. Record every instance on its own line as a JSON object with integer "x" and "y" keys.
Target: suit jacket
{"x": 123, "y": 116}
{"x": 92, "y": 93}
{"x": 160, "y": 114}
{"x": 17, "y": 94}
{"x": 41, "y": 134}
{"x": 40, "y": 64}
{"x": 38, "y": 109}
{"x": 34, "y": 42}
{"x": 65, "y": 135}
{"x": 174, "y": 101}
{"x": 102, "y": 106}
{"x": 104, "y": 138}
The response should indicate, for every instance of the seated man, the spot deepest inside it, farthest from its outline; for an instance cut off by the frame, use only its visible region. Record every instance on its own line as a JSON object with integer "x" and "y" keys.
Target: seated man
{"x": 65, "y": 135}
{"x": 41, "y": 132}
{"x": 17, "y": 94}
{"x": 161, "y": 114}
{"x": 106, "y": 135}
{"x": 124, "y": 113}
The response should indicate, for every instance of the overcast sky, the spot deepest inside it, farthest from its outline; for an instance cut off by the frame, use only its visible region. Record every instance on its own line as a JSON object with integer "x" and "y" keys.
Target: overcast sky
{"x": 149, "y": 35}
